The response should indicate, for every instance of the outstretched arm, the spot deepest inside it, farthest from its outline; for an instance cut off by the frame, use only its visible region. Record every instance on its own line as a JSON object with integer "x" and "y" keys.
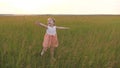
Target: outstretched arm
{"x": 62, "y": 27}
{"x": 41, "y": 24}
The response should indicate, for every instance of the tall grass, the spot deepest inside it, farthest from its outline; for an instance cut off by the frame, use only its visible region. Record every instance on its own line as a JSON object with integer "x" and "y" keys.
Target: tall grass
{"x": 91, "y": 42}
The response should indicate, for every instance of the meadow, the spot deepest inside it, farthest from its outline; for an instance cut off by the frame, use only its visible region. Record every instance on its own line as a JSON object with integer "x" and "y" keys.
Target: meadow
{"x": 91, "y": 42}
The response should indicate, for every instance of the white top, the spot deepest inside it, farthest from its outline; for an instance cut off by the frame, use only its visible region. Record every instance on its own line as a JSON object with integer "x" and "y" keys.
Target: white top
{"x": 51, "y": 30}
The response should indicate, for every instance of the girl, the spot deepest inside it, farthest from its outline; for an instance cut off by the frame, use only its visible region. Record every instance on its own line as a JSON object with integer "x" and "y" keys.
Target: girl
{"x": 50, "y": 38}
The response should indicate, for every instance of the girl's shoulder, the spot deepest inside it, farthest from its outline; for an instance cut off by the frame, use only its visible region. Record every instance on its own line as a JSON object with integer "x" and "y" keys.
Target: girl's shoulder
{"x": 55, "y": 26}
{"x": 51, "y": 27}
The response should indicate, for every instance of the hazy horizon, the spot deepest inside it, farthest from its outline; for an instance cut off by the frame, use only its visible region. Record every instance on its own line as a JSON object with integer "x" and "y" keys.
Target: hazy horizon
{"x": 60, "y": 7}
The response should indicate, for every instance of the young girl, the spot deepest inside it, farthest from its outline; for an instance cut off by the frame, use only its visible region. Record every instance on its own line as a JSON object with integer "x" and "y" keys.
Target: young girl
{"x": 50, "y": 37}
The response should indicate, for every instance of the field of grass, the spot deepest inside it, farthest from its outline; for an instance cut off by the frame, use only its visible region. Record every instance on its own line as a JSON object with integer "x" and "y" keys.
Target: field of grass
{"x": 91, "y": 42}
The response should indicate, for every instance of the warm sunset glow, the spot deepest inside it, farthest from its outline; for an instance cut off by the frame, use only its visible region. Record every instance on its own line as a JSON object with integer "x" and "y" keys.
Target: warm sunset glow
{"x": 59, "y": 6}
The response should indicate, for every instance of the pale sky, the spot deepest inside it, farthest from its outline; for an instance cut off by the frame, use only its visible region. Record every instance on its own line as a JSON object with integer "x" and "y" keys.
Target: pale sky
{"x": 59, "y": 6}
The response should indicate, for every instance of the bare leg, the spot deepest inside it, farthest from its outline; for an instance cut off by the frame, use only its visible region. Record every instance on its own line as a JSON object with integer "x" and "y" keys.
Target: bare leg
{"x": 43, "y": 50}
{"x": 52, "y": 53}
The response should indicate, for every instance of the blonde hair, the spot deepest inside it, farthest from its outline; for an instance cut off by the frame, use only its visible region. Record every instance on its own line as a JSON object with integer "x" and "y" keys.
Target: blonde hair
{"x": 52, "y": 19}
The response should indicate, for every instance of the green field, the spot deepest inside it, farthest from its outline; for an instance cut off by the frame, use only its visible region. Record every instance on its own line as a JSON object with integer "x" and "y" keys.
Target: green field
{"x": 91, "y": 42}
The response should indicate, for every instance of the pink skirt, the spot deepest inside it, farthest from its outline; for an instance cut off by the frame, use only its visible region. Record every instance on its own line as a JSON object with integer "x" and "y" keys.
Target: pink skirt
{"x": 50, "y": 41}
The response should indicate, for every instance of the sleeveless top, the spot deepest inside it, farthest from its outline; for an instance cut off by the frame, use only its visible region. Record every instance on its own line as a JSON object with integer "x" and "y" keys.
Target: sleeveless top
{"x": 51, "y": 30}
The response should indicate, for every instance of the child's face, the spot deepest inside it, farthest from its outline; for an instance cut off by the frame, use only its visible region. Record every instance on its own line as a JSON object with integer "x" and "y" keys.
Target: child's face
{"x": 50, "y": 21}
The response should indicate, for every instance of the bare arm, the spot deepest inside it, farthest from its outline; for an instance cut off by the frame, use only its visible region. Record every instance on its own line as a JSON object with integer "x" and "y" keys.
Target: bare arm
{"x": 41, "y": 24}
{"x": 62, "y": 27}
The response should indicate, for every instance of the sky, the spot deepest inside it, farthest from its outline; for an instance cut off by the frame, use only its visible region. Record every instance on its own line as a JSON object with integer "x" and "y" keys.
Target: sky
{"x": 59, "y": 6}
